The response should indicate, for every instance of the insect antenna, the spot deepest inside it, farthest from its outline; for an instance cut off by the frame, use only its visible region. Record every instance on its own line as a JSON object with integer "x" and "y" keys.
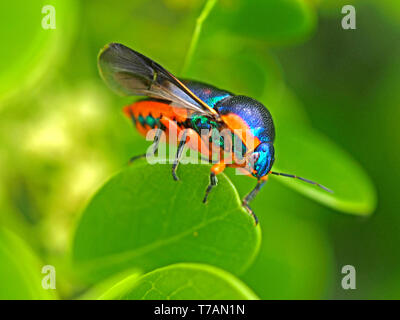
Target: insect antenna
{"x": 302, "y": 179}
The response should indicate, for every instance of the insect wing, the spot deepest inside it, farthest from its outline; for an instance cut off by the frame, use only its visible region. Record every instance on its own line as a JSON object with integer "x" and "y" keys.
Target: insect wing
{"x": 131, "y": 73}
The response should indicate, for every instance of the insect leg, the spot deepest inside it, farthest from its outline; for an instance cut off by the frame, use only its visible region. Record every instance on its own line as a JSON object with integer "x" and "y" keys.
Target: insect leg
{"x": 213, "y": 183}
{"x": 134, "y": 158}
{"x": 251, "y": 196}
{"x": 178, "y": 156}
{"x": 215, "y": 169}
{"x": 156, "y": 141}
{"x": 155, "y": 144}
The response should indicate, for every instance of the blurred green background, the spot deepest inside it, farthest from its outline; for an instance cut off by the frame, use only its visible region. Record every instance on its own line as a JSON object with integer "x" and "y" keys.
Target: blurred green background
{"x": 62, "y": 132}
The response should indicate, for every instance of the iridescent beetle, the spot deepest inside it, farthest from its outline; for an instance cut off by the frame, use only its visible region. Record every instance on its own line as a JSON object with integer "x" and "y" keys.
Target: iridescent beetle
{"x": 195, "y": 110}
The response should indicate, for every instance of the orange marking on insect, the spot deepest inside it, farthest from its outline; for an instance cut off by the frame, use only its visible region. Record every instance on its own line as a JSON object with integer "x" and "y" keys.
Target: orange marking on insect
{"x": 156, "y": 109}
{"x": 265, "y": 178}
{"x": 243, "y": 171}
{"x": 172, "y": 130}
{"x": 240, "y": 127}
{"x": 218, "y": 167}
{"x": 142, "y": 130}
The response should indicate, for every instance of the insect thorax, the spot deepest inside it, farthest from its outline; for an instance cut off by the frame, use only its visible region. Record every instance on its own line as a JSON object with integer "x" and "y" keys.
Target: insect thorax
{"x": 220, "y": 136}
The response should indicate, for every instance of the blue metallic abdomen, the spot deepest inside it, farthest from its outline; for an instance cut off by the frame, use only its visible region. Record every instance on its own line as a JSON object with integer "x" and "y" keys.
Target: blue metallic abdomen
{"x": 252, "y": 112}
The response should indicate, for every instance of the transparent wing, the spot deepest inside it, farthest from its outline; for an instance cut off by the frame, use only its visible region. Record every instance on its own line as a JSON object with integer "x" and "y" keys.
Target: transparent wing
{"x": 131, "y": 73}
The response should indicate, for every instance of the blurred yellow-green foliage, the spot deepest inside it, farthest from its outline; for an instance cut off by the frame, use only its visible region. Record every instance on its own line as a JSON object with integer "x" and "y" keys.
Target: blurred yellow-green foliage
{"x": 62, "y": 132}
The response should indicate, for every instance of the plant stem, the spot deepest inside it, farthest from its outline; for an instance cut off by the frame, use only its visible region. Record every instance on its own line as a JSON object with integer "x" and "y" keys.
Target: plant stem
{"x": 196, "y": 34}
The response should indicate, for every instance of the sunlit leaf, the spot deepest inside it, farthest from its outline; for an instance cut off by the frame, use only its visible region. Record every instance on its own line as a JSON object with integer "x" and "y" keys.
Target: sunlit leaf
{"x": 144, "y": 219}
{"x": 184, "y": 281}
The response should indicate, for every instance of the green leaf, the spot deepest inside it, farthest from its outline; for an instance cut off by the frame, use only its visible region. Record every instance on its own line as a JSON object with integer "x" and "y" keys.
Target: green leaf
{"x": 184, "y": 281}
{"x": 20, "y": 270}
{"x": 308, "y": 154}
{"x": 144, "y": 219}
